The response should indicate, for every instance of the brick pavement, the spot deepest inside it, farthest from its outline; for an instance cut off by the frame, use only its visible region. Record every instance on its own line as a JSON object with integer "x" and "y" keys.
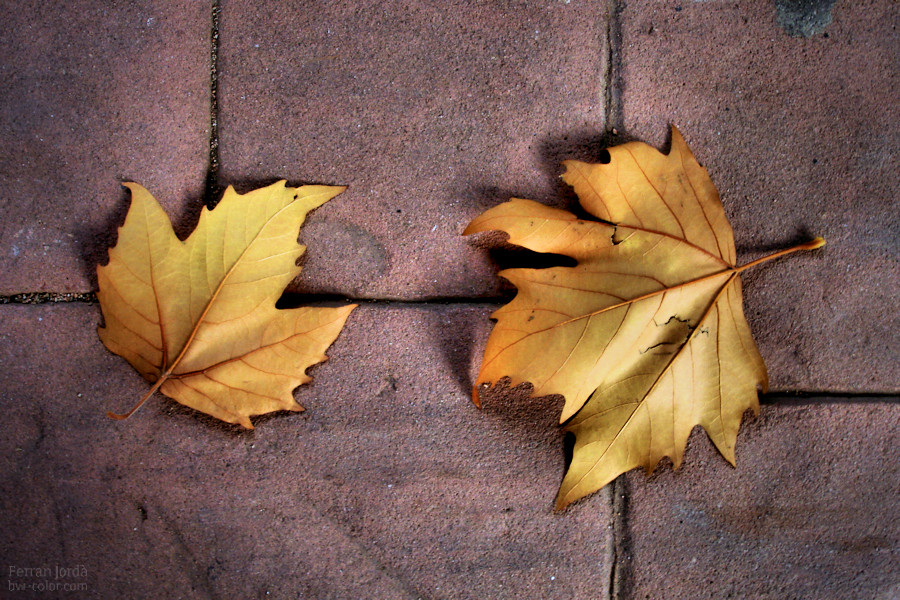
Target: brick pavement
{"x": 391, "y": 484}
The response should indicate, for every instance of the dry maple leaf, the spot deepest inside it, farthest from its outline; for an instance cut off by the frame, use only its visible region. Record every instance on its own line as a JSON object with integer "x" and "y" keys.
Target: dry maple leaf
{"x": 645, "y": 337}
{"x": 198, "y": 318}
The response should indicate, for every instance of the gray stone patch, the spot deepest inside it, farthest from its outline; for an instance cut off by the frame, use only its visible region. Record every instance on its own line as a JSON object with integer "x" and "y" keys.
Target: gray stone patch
{"x": 803, "y": 18}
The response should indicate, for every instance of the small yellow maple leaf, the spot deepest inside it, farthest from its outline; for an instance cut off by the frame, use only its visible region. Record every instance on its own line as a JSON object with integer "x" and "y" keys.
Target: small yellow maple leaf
{"x": 198, "y": 318}
{"x": 645, "y": 337}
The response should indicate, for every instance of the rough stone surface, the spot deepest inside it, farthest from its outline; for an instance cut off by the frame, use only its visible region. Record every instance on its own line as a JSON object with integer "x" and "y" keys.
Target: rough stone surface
{"x": 390, "y": 485}
{"x": 92, "y": 95}
{"x": 812, "y": 510}
{"x": 802, "y": 138}
{"x": 431, "y": 112}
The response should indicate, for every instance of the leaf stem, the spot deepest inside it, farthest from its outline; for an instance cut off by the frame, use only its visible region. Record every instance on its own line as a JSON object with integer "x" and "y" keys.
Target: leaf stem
{"x": 810, "y": 245}
{"x": 140, "y": 403}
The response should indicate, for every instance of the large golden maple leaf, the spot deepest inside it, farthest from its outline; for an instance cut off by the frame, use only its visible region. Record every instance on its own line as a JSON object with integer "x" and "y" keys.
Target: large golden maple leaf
{"x": 645, "y": 337}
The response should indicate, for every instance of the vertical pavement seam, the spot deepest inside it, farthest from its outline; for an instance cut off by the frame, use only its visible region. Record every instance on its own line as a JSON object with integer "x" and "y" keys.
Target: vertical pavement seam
{"x": 620, "y": 573}
{"x": 613, "y": 76}
{"x": 612, "y": 111}
{"x": 213, "y": 189}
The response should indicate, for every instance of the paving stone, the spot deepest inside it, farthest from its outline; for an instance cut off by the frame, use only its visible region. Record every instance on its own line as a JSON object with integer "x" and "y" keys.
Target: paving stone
{"x": 802, "y": 138}
{"x": 431, "y": 112}
{"x": 811, "y": 511}
{"x": 91, "y": 95}
{"x": 390, "y": 485}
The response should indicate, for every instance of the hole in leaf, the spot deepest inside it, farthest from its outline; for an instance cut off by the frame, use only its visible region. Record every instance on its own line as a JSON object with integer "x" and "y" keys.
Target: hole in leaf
{"x": 605, "y": 157}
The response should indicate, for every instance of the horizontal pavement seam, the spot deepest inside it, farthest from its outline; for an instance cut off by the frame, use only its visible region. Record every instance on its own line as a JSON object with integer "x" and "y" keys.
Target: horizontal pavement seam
{"x": 772, "y": 397}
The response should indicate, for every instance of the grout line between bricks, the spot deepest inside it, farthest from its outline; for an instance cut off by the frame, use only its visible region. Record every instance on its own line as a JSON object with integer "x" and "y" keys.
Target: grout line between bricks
{"x": 787, "y": 397}
{"x": 619, "y": 530}
{"x": 213, "y": 189}
{"x": 620, "y": 573}
{"x": 48, "y": 297}
{"x": 613, "y": 76}
{"x": 770, "y": 398}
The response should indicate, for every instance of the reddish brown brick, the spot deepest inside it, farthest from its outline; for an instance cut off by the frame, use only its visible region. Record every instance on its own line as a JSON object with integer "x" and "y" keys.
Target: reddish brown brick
{"x": 430, "y": 112}
{"x": 93, "y": 95}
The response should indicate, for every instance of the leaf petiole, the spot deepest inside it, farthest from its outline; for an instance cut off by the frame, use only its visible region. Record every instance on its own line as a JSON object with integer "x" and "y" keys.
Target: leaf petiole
{"x": 140, "y": 403}
{"x": 810, "y": 245}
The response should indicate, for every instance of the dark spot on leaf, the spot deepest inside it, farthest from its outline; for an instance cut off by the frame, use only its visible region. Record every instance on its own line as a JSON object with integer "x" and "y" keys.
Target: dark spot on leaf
{"x": 674, "y": 318}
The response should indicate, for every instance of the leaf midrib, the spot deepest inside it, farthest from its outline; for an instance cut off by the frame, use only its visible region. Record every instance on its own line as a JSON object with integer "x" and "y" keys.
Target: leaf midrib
{"x": 613, "y": 307}
{"x": 212, "y": 300}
